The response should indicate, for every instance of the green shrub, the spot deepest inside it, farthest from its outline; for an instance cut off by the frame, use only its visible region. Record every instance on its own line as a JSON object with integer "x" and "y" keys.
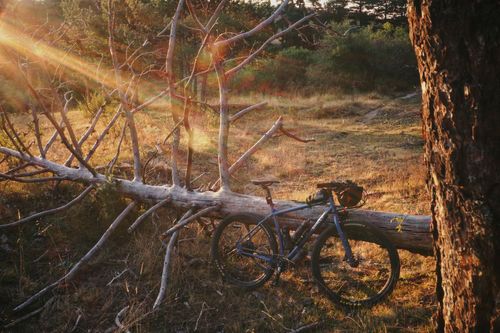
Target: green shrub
{"x": 367, "y": 58}
{"x": 364, "y": 59}
{"x": 286, "y": 70}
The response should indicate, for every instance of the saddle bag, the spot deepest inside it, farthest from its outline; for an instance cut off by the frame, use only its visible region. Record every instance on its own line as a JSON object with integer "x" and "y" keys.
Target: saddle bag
{"x": 350, "y": 196}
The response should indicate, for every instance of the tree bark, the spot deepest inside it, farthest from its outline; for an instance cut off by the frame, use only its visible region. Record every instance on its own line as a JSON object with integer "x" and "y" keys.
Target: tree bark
{"x": 457, "y": 44}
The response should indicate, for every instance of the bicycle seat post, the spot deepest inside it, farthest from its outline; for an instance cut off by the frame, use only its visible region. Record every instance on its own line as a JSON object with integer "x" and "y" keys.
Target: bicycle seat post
{"x": 269, "y": 198}
{"x": 265, "y": 186}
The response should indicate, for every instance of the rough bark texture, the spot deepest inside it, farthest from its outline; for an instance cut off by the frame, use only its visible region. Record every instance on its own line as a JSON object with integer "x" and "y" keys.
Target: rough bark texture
{"x": 457, "y": 44}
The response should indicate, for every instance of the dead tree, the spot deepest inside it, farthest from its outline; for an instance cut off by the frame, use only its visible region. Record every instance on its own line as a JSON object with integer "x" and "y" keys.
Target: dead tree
{"x": 407, "y": 232}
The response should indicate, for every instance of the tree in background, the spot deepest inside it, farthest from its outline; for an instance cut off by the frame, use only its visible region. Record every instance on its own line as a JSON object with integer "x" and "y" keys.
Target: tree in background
{"x": 364, "y": 59}
{"x": 381, "y": 55}
{"x": 365, "y": 12}
{"x": 457, "y": 44}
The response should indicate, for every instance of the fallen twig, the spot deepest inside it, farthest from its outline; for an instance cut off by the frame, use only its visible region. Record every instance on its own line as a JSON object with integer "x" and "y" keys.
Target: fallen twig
{"x": 82, "y": 261}
{"x": 166, "y": 264}
{"x": 293, "y": 136}
{"x": 77, "y": 321}
{"x": 241, "y": 113}
{"x": 307, "y": 327}
{"x": 29, "y": 315}
{"x": 118, "y": 318}
{"x": 117, "y": 276}
{"x": 199, "y": 316}
{"x": 165, "y": 271}
{"x": 50, "y": 211}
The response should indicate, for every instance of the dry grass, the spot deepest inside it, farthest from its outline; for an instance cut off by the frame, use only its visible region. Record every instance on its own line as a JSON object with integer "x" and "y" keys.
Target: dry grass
{"x": 370, "y": 139}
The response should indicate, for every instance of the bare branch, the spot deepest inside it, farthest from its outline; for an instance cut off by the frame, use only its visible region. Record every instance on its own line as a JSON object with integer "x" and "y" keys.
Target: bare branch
{"x": 17, "y": 168}
{"x": 150, "y": 101}
{"x": 268, "y": 135}
{"x": 50, "y": 211}
{"x": 71, "y": 133}
{"x": 84, "y": 260}
{"x": 167, "y": 90}
{"x": 56, "y": 126}
{"x": 171, "y": 85}
{"x": 68, "y": 145}
{"x": 103, "y": 134}
{"x": 16, "y": 140}
{"x": 285, "y": 132}
{"x": 241, "y": 113}
{"x": 195, "y": 62}
{"x": 243, "y": 158}
{"x": 38, "y": 135}
{"x": 123, "y": 97}
{"x": 147, "y": 213}
{"x": 255, "y": 29}
{"x": 193, "y": 14}
{"x": 118, "y": 320}
{"x": 189, "y": 130}
{"x": 53, "y": 138}
{"x": 213, "y": 19}
{"x": 87, "y": 133}
{"x": 11, "y": 139}
{"x": 166, "y": 265}
{"x": 307, "y": 328}
{"x": 183, "y": 222}
{"x": 223, "y": 125}
{"x": 179, "y": 123}
{"x": 144, "y": 44}
{"x": 32, "y": 173}
{"x": 31, "y": 180}
{"x": 113, "y": 161}
{"x": 31, "y": 314}
{"x": 198, "y": 177}
{"x": 165, "y": 272}
{"x": 253, "y": 55}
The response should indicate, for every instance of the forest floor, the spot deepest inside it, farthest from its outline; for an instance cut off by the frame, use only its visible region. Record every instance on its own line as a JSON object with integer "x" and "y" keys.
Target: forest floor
{"x": 373, "y": 140}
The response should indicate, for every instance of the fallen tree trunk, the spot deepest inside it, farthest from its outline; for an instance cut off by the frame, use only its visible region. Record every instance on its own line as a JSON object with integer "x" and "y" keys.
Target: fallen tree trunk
{"x": 409, "y": 232}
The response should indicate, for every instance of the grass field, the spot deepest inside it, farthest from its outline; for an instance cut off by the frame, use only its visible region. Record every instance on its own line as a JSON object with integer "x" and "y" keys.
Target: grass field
{"x": 373, "y": 140}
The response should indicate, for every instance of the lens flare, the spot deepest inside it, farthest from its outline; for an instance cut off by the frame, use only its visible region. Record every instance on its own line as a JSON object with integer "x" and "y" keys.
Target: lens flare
{"x": 14, "y": 39}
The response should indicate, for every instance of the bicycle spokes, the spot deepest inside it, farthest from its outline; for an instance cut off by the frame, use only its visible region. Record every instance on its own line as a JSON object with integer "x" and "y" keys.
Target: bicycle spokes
{"x": 245, "y": 251}
{"x": 360, "y": 279}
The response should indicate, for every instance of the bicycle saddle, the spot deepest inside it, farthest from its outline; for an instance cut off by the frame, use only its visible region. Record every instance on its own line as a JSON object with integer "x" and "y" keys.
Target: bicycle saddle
{"x": 264, "y": 182}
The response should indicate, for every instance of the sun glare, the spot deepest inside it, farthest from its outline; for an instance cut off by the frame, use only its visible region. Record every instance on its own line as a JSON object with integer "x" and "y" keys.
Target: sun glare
{"x": 12, "y": 38}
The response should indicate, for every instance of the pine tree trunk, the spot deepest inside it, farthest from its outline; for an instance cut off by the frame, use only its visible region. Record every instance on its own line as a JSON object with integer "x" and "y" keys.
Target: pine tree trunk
{"x": 457, "y": 44}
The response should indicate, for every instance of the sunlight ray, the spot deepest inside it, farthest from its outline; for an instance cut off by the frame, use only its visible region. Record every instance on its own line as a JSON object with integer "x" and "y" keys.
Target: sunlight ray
{"x": 13, "y": 38}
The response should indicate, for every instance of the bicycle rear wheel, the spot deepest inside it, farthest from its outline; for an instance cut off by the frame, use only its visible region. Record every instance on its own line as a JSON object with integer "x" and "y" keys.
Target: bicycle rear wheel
{"x": 243, "y": 251}
{"x": 369, "y": 280}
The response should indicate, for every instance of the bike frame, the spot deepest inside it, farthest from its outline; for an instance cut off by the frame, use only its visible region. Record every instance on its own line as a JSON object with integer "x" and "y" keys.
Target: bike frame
{"x": 330, "y": 209}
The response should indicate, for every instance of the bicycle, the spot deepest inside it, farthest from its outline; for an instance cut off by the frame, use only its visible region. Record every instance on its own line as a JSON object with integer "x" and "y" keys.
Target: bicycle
{"x": 353, "y": 264}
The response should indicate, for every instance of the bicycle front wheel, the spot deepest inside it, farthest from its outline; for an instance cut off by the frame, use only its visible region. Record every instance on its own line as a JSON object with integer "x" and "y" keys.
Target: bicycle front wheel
{"x": 369, "y": 280}
{"x": 243, "y": 250}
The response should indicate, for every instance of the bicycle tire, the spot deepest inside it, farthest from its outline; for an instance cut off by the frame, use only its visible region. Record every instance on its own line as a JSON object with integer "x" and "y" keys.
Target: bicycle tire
{"x": 250, "y": 265}
{"x": 340, "y": 288}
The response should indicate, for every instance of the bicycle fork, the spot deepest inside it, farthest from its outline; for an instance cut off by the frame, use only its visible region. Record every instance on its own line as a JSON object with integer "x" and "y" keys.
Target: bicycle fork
{"x": 349, "y": 257}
